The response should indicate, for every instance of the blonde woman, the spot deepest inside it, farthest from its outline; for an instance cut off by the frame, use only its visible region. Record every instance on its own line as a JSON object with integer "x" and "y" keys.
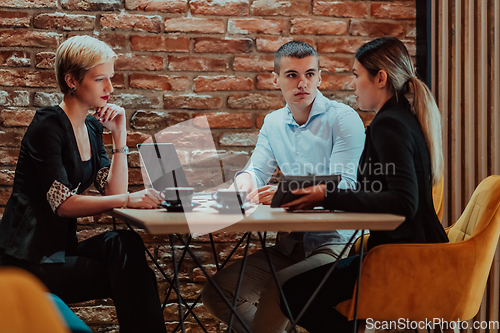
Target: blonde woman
{"x": 401, "y": 161}
{"x": 61, "y": 155}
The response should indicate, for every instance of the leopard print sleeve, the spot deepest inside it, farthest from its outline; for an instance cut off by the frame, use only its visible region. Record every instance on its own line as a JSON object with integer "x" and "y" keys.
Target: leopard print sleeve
{"x": 58, "y": 193}
{"x": 101, "y": 180}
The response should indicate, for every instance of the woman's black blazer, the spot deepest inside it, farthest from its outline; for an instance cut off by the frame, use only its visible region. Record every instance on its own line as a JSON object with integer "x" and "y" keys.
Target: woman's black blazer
{"x": 49, "y": 155}
{"x": 394, "y": 176}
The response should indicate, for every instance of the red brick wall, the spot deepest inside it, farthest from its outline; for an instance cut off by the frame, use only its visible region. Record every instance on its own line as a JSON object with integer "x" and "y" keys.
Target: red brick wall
{"x": 179, "y": 59}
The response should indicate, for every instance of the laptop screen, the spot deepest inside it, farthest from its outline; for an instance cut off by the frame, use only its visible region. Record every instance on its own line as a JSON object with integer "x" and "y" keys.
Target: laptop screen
{"x": 162, "y": 165}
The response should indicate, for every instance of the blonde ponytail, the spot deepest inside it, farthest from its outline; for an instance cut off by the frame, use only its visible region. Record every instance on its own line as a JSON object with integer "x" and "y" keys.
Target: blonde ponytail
{"x": 428, "y": 114}
{"x": 390, "y": 54}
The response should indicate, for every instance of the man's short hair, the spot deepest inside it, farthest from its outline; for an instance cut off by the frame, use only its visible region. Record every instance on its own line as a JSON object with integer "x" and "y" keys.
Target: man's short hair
{"x": 293, "y": 49}
{"x": 77, "y": 55}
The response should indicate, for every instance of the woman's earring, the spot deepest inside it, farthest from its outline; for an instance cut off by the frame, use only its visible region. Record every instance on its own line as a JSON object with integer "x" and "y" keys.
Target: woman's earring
{"x": 73, "y": 92}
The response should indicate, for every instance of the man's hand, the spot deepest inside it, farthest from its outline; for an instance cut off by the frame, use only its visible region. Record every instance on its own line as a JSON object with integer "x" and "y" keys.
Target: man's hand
{"x": 263, "y": 195}
{"x": 310, "y": 197}
{"x": 244, "y": 182}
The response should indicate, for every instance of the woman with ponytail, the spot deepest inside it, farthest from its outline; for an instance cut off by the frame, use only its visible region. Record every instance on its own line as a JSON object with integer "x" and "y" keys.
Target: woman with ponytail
{"x": 401, "y": 161}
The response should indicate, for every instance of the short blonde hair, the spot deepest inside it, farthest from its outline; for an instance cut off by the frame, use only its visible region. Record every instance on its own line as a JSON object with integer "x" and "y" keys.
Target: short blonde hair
{"x": 77, "y": 55}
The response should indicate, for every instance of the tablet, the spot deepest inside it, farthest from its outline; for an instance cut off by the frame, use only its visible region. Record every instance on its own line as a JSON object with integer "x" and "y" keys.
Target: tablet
{"x": 284, "y": 194}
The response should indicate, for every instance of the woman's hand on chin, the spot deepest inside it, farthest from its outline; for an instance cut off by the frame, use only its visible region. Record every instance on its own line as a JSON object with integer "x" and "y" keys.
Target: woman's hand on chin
{"x": 112, "y": 117}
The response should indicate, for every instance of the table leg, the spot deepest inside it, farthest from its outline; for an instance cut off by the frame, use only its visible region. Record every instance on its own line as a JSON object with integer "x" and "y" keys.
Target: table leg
{"x": 247, "y": 234}
{"x": 359, "y": 281}
{"x": 181, "y": 260}
{"x": 191, "y": 307}
{"x": 177, "y": 284}
{"x": 219, "y": 290}
{"x": 171, "y": 283}
{"x": 318, "y": 288}
{"x": 238, "y": 286}
{"x": 213, "y": 251}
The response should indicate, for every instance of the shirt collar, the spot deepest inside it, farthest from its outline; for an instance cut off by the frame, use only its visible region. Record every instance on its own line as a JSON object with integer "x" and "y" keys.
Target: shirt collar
{"x": 318, "y": 108}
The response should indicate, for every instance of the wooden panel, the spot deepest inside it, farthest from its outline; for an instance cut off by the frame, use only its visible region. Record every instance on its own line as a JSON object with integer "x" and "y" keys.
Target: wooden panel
{"x": 456, "y": 112}
{"x": 466, "y": 83}
{"x": 495, "y": 100}
{"x": 482, "y": 72}
{"x": 443, "y": 82}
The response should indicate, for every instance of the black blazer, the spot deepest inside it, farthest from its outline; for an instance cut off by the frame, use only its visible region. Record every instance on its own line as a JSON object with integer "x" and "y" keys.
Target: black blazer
{"x": 30, "y": 229}
{"x": 394, "y": 176}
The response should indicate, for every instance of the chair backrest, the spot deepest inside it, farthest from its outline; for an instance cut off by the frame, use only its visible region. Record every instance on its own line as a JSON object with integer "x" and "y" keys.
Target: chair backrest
{"x": 441, "y": 280}
{"x": 479, "y": 212}
{"x": 438, "y": 199}
{"x": 480, "y": 223}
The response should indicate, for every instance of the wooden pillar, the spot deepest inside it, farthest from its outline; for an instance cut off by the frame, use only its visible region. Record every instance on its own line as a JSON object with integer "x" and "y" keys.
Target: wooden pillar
{"x": 466, "y": 83}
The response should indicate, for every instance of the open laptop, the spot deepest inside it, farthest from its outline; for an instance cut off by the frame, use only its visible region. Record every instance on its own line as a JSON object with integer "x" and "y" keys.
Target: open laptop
{"x": 162, "y": 165}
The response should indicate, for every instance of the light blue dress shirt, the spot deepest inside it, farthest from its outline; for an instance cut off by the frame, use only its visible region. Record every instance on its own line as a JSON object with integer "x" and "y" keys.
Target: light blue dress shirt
{"x": 330, "y": 142}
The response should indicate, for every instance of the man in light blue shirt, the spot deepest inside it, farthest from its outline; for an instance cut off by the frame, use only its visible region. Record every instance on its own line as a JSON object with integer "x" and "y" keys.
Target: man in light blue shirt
{"x": 310, "y": 135}
{"x": 329, "y": 142}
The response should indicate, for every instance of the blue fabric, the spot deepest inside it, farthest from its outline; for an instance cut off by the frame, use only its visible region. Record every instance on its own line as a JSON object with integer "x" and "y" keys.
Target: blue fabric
{"x": 330, "y": 142}
{"x": 75, "y": 324}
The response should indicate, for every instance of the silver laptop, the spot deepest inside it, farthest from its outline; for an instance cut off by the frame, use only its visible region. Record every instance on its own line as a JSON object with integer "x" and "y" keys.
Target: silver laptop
{"x": 162, "y": 165}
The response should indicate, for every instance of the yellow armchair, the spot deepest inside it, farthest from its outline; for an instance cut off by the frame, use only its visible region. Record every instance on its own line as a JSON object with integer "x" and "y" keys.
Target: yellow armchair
{"x": 24, "y": 305}
{"x": 426, "y": 281}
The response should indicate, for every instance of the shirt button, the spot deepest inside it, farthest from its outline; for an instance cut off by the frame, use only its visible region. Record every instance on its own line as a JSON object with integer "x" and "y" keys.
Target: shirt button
{"x": 298, "y": 153}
